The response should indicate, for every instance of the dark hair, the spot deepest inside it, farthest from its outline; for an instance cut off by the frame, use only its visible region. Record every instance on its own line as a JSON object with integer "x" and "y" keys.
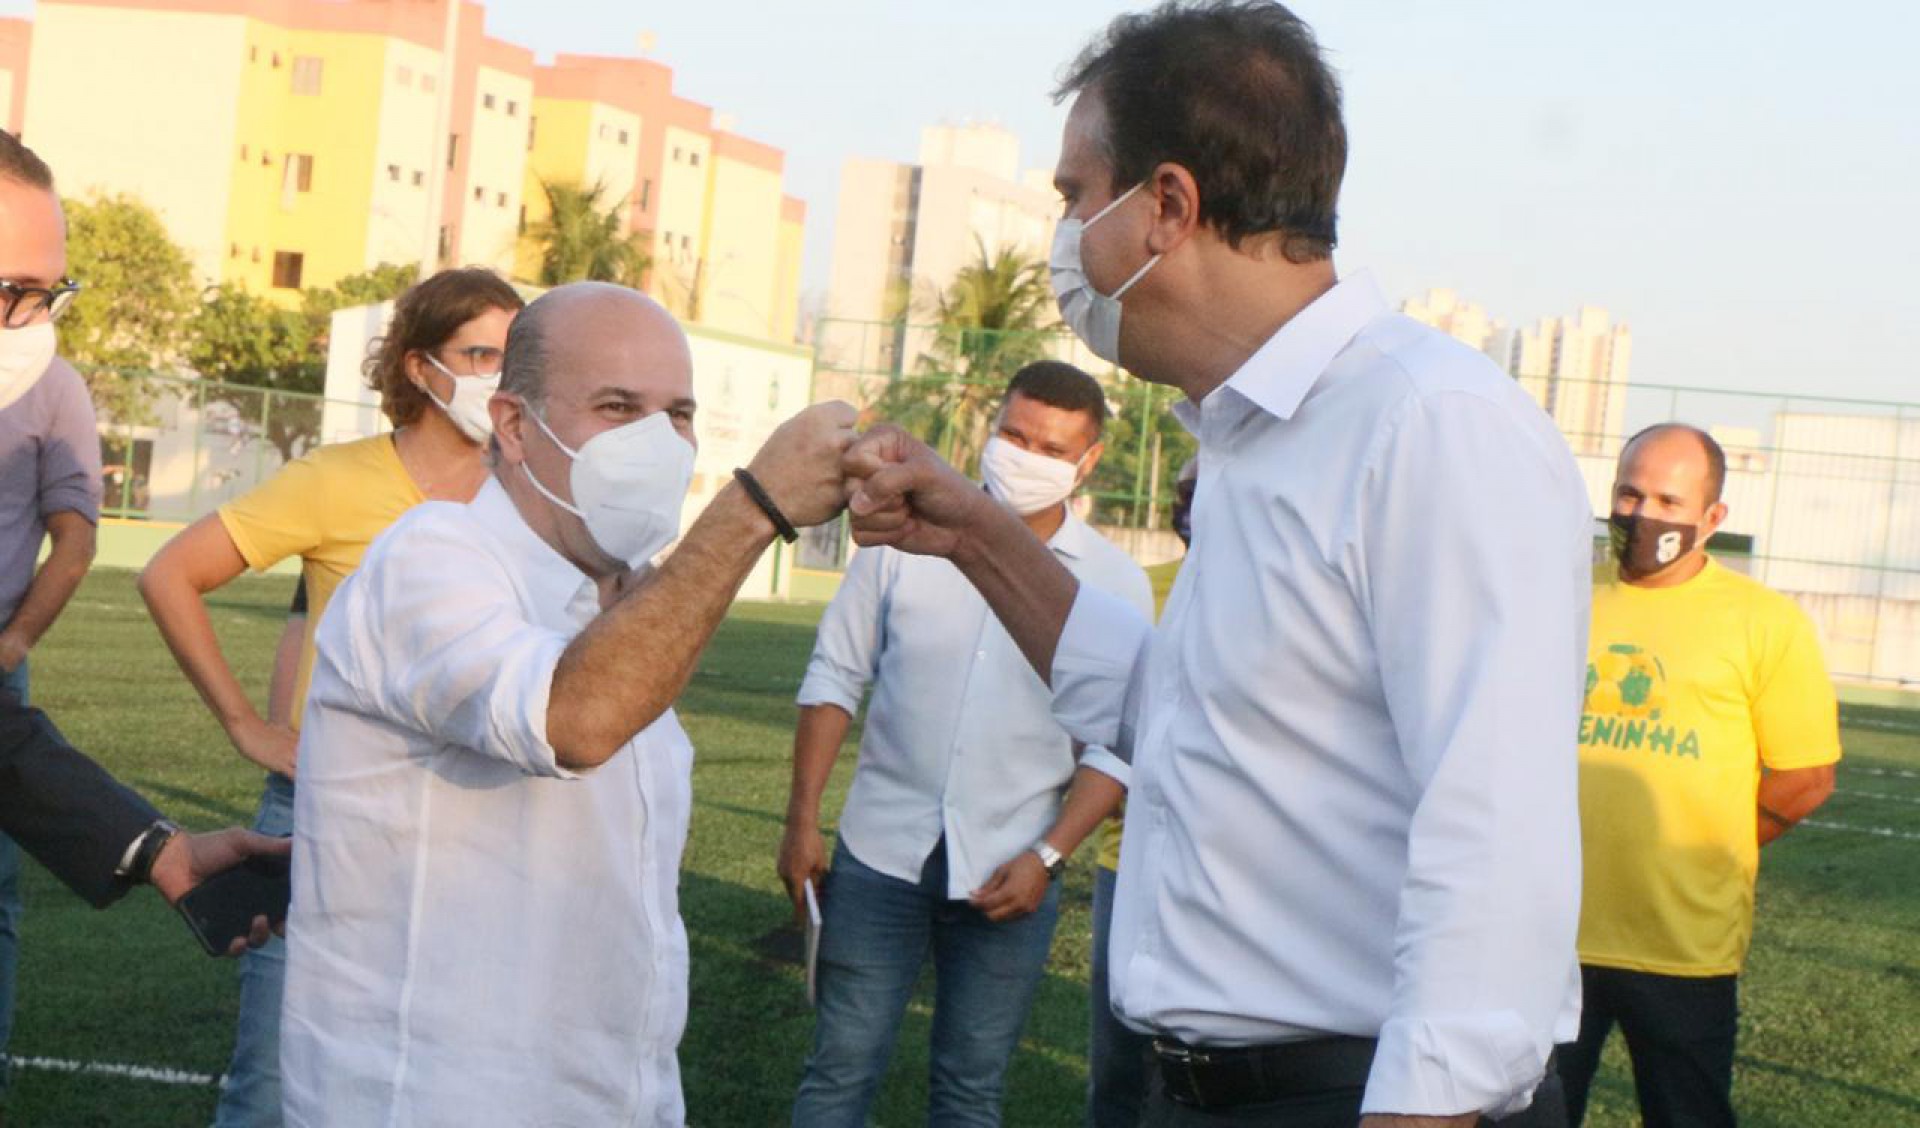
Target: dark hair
{"x": 426, "y": 317}
{"x": 19, "y": 163}
{"x": 1235, "y": 92}
{"x": 523, "y": 371}
{"x": 1059, "y": 384}
{"x": 1716, "y": 457}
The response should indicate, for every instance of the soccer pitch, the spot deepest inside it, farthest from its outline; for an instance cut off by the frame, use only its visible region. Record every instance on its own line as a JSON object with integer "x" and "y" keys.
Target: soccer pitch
{"x": 125, "y": 1024}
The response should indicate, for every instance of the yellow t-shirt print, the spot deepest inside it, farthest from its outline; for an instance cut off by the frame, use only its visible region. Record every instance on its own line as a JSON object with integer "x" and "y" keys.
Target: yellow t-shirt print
{"x": 1690, "y": 691}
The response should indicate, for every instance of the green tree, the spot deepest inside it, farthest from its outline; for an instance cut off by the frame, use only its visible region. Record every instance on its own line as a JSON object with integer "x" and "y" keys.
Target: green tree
{"x": 139, "y": 297}
{"x": 245, "y": 341}
{"x": 1133, "y": 484}
{"x": 584, "y": 237}
{"x": 992, "y": 320}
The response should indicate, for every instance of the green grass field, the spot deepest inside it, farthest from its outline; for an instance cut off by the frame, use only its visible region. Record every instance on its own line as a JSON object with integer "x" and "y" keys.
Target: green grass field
{"x": 1831, "y": 1030}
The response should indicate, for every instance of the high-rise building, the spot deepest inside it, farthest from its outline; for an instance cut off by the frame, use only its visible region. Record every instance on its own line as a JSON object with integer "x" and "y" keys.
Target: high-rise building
{"x": 903, "y": 231}
{"x": 1464, "y": 321}
{"x": 287, "y": 143}
{"x": 707, "y": 204}
{"x": 1577, "y": 368}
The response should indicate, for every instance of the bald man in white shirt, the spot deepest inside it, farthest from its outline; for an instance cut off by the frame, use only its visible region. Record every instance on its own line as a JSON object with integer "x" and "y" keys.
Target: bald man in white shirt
{"x": 1350, "y": 879}
{"x": 494, "y": 790}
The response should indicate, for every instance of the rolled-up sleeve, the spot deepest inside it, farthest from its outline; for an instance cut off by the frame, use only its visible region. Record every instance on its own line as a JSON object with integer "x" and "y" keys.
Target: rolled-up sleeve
{"x": 1483, "y": 688}
{"x": 430, "y": 634}
{"x": 1098, "y": 668}
{"x": 846, "y": 650}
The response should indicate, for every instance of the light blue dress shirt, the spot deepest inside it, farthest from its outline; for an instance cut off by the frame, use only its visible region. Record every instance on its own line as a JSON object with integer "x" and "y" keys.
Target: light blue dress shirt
{"x": 959, "y": 739}
{"x": 1353, "y": 807}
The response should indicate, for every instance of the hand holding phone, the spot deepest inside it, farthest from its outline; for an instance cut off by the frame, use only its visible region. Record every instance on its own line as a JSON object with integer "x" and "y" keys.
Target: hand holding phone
{"x": 221, "y": 909}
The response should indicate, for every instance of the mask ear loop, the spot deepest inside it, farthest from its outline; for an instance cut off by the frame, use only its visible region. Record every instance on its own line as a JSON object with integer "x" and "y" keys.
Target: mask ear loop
{"x": 528, "y": 470}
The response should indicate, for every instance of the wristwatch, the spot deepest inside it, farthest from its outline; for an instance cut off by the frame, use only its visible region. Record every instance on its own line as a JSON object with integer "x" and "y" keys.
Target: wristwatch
{"x": 136, "y": 865}
{"x": 1050, "y": 858}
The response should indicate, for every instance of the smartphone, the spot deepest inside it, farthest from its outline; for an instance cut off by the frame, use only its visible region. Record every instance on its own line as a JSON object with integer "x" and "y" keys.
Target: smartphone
{"x": 221, "y": 909}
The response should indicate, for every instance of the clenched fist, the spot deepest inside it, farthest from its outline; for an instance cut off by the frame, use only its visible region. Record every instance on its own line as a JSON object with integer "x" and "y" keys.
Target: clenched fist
{"x": 799, "y": 464}
{"x": 905, "y": 497}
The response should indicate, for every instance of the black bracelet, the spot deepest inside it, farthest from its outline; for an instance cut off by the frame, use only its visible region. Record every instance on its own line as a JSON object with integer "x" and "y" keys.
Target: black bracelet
{"x": 761, "y": 498}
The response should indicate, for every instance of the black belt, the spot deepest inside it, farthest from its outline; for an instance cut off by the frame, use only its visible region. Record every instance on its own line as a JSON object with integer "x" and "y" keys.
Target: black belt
{"x": 1219, "y": 1077}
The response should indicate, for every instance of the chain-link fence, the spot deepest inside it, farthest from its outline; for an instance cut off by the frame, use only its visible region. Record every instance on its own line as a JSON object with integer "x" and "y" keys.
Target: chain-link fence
{"x": 193, "y": 444}
{"x": 1823, "y": 493}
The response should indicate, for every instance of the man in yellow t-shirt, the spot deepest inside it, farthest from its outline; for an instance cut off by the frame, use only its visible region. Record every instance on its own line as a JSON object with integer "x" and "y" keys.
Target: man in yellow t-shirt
{"x": 1710, "y": 728}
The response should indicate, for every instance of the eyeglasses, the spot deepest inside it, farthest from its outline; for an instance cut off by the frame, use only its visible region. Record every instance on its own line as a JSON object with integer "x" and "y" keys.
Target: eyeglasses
{"x": 474, "y": 360}
{"x": 25, "y": 304}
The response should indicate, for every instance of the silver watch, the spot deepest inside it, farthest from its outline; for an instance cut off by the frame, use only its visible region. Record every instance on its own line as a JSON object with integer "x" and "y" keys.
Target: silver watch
{"x": 1050, "y": 858}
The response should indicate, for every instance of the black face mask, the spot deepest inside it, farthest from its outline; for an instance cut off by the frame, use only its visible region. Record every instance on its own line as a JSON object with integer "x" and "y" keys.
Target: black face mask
{"x": 1644, "y": 545}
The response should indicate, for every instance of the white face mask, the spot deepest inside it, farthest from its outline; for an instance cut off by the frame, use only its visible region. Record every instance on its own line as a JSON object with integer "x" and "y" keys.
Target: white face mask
{"x": 1094, "y": 317}
{"x": 468, "y": 407}
{"x": 1023, "y": 481}
{"x": 25, "y": 354}
{"x": 629, "y": 485}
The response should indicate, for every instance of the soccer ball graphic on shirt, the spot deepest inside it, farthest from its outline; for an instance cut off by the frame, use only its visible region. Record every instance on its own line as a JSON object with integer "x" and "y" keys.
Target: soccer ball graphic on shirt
{"x": 1626, "y": 681}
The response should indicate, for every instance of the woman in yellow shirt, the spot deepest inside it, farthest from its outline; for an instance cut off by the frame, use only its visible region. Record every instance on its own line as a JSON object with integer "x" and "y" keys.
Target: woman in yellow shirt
{"x": 435, "y": 370}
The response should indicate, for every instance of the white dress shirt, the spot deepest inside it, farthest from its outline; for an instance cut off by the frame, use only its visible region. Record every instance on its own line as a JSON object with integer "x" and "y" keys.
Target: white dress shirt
{"x": 960, "y": 740}
{"x": 478, "y": 936}
{"x": 1353, "y": 806}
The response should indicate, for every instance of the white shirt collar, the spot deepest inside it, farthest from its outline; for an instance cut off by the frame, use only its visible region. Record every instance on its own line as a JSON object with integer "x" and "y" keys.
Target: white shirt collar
{"x": 553, "y": 581}
{"x": 1280, "y": 373}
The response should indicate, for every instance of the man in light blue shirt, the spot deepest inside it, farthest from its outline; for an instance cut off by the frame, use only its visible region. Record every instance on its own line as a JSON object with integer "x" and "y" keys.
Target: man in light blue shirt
{"x": 968, "y": 796}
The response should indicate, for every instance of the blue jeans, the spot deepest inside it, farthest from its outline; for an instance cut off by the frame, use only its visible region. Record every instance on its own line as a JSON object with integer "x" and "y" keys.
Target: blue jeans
{"x": 1119, "y": 1058}
{"x": 250, "y": 1095}
{"x": 876, "y": 932}
{"x": 16, "y": 682}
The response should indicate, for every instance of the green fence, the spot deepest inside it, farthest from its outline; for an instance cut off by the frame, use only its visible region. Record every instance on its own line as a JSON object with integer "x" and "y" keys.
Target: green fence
{"x": 1823, "y": 492}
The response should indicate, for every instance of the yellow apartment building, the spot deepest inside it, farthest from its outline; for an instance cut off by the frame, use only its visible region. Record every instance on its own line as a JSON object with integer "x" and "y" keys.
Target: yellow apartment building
{"x": 302, "y": 141}
{"x": 288, "y": 143}
{"x": 722, "y": 237}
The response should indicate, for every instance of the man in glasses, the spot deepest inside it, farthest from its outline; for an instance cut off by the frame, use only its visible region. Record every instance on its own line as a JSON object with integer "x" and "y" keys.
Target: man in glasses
{"x": 49, "y": 464}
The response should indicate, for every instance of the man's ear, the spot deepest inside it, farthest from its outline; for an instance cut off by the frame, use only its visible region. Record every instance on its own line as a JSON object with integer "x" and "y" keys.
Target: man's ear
{"x": 1088, "y": 461}
{"x": 1716, "y": 513}
{"x": 1177, "y": 211}
{"x": 509, "y": 426}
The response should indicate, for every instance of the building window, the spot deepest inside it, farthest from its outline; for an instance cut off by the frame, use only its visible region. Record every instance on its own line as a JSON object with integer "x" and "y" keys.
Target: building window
{"x": 604, "y": 130}
{"x": 521, "y": 227}
{"x": 245, "y": 152}
{"x": 419, "y": 178}
{"x": 693, "y": 159}
{"x": 513, "y": 108}
{"x": 646, "y": 193}
{"x": 686, "y": 244}
{"x": 256, "y": 254}
{"x": 287, "y": 266}
{"x": 500, "y": 199}
{"x": 266, "y": 159}
{"x": 446, "y": 242}
{"x": 479, "y": 194}
{"x": 253, "y": 54}
{"x": 233, "y": 250}
{"x": 306, "y": 73}
{"x": 393, "y": 173}
{"x": 676, "y": 154}
{"x": 533, "y": 130}
{"x": 453, "y": 149}
{"x": 403, "y": 75}
{"x": 486, "y": 101}
{"x": 298, "y": 175}
{"x": 276, "y": 60}
{"x": 428, "y": 83}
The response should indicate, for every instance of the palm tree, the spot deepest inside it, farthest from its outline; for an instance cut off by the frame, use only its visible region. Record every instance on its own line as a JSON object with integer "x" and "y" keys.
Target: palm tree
{"x": 988, "y": 323}
{"x": 583, "y": 239}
